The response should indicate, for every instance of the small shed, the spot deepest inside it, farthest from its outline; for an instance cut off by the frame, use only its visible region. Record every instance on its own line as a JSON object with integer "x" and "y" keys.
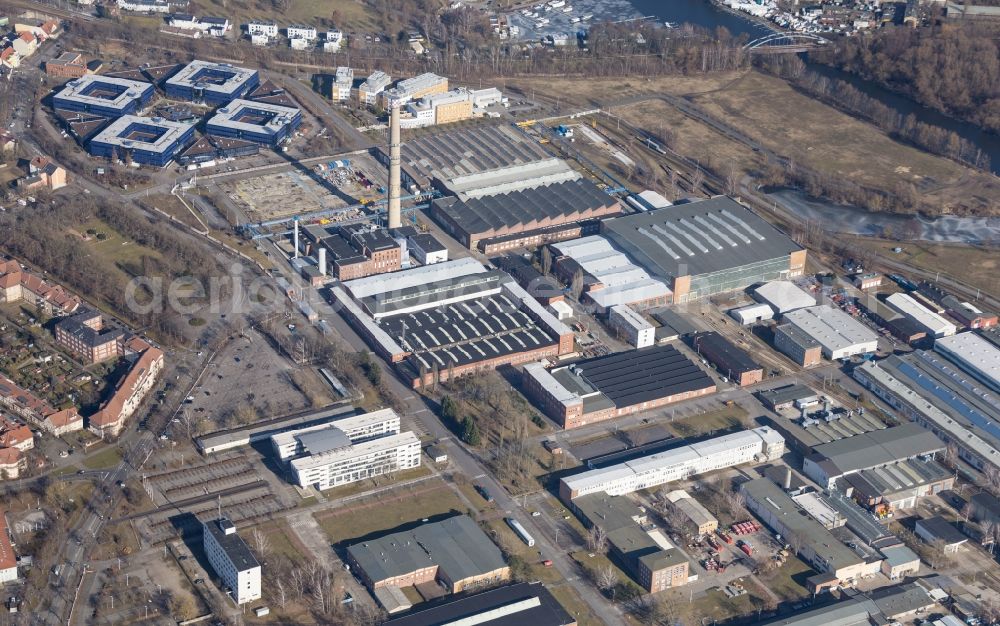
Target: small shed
{"x": 437, "y": 453}
{"x": 937, "y": 528}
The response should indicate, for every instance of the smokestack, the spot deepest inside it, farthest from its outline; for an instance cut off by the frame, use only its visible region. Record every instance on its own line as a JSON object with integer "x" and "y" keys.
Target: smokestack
{"x": 788, "y": 478}
{"x": 394, "y": 157}
{"x": 322, "y": 260}
{"x": 296, "y": 220}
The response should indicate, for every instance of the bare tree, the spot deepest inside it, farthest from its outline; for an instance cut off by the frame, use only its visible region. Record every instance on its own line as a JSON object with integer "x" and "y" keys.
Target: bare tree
{"x": 987, "y": 529}
{"x": 597, "y": 539}
{"x": 280, "y": 593}
{"x": 576, "y": 287}
{"x": 261, "y": 544}
{"x": 732, "y": 179}
{"x": 607, "y": 578}
{"x": 697, "y": 179}
{"x": 546, "y": 260}
{"x": 967, "y": 512}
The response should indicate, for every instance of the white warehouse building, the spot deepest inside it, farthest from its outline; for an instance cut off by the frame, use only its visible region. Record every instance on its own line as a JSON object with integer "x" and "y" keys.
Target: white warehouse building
{"x": 759, "y": 445}
{"x": 232, "y": 560}
{"x": 839, "y": 335}
{"x": 784, "y": 296}
{"x": 935, "y": 325}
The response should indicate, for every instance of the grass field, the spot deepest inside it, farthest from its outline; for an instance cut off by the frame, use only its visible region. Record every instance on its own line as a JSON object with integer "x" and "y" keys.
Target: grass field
{"x": 574, "y": 604}
{"x": 506, "y": 537}
{"x": 108, "y": 457}
{"x": 111, "y": 246}
{"x": 785, "y": 581}
{"x": 972, "y": 265}
{"x": 282, "y": 541}
{"x": 365, "y": 485}
{"x": 723, "y": 419}
{"x": 388, "y": 511}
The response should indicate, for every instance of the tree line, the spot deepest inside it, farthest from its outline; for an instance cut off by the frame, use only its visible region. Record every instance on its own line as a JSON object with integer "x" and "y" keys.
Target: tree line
{"x": 953, "y": 68}
{"x": 849, "y": 98}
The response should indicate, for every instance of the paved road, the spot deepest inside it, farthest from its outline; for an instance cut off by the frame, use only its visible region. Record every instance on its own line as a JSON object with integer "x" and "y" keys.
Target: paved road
{"x": 355, "y": 139}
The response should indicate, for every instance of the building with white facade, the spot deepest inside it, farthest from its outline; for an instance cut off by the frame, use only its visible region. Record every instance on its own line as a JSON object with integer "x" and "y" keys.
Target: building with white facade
{"x": 301, "y": 32}
{"x": 975, "y": 355}
{"x": 634, "y": 328}
{"x": 232, "y": 560}
{"x": 839, "y": 335}
{"x": 343, "y": 80}
{"x": 759, "y": 445}
{"x": 266, "y": 29}
{"x": 333, "y": 460}
{"x": 935, "y": 325}
{"x": 356, "y": 428}
{"x": 408, "y": 89}
{"x": 375, "y": 84}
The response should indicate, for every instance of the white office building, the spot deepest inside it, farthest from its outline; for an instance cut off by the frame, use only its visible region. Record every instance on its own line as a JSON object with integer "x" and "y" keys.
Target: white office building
{"x": 633, "y": 328}
{"x": 265, "y": 29}
{"x": 232, "y": 560}
{"x": 839, "y": 335}
{"x": 935, "y": 325}
{"x": 357, "y": 428}
{"x": 334, "y": 461}
{"x": 302, "y": 32}
{"x": 343, "y": 80}
{"x": 759, "y": 445}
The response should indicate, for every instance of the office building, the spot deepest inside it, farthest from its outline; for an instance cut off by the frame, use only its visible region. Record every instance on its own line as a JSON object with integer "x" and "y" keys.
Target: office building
{"x": 440, "y": 321}
{"x": 611, "y": 386}
{"x": 343, "y": 82}
{"x": 631, "y": 327}
{"x": 839, "y": 335}
{"x": 144, "y": 140}
{"x": 454, "y": 552}
{"x": 759, "y": 445}
{"x": 520, "y": 604}
{"x": 934, "y": 324}
{"x": 215, "y": 84}
{"x": 292, "y": 443}
{"x": 706, "y": 247}
{"x": 232, "y": 560}
{"x": 426, "y": 84}
{"x": 104, "y": 96}
{"x": 259, "y": 122}
{"x": 373, "y": 86}
{"x": 84, "y": 335}
{"x": 731, "y": 362}
{"x": 331, "y": 459}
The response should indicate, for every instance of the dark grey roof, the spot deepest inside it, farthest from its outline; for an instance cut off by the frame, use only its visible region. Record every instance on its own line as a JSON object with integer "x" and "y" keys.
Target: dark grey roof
{"x": 723, "y": 353}
{"x": 232, "y": 544}
{"x": 673, "y": 319}
{"x": 940, "y": 528}
{"x": 456, "y": 545}
{"x": 637, "y": 376}
{"x": 426, "y": 242}
{"x": 783, "y": 395}
{"x": 880, "y": 447}
{"x": 901, "y": 600}
{"x": 856, "y": 611}
{"x": 698, "y": 238}
{"x": 75, "y": 326}
{"x": 504, "y": 600}
{"x": 557, "y": 202}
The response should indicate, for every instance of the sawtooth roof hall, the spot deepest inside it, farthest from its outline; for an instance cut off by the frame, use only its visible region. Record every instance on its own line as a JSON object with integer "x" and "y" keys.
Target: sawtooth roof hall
{"x": 706, "y": 247}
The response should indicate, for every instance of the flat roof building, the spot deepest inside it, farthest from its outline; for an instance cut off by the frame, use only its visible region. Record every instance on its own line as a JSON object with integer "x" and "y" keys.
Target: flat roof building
{"x": 375, "y": 84}
{"x": 619, "y": 384}
{"x": 749, "y": 446}
{"x": 974, "y": 354}
{"x": 291, "y": 443}
{"x": 797, "y": 345}
{"x": 732, "y": 362}
{"x": 150, "y": 141}
{"x": 259, "y": 122}
{"x": 426, "y": 84}
{"x": 706, "y": 247}
{"x": 332, "y": 459}
{"x": 519, "y": 604}
{"x": 631, "y": 326}
{"x": 839, "y": 335}
{"x": 214, "y": 84}
{"x": 814, "y": 544}
{"x": 935, "y": 325}
{"x": 105, "y": 96}
{"x": 454, "y": 552}
{"x": 232, "y": 560}
{"x": 937, "y": 528}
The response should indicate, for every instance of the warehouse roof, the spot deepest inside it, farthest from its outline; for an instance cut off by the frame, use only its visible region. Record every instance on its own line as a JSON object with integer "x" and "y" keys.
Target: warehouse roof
{"x": 637, "y": 376}
{"x": 719, "y": 350}
{"x": 555, "y": 202}
{"x": 973, "y": 352}
{"x": 513, "y": 605}
{"x": 784, "y": 295}
{"x": 855, "y": 611}
{"x": 879, "y": 447}
{"x": 456, "y": 545}
{"x": 673, "y": 319}
{"x": 832, "y": 328}
{"x": 469, "y": 150}
{"x": 920, "y": 314}
{"x": 940, "y": 528}
{"x": 617, "y": 516}
{"x": 381, "y": 283}
{"x": 698, "y": 238}
{"x": 786, "y": 394}
{"x": 512, "y": 178}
